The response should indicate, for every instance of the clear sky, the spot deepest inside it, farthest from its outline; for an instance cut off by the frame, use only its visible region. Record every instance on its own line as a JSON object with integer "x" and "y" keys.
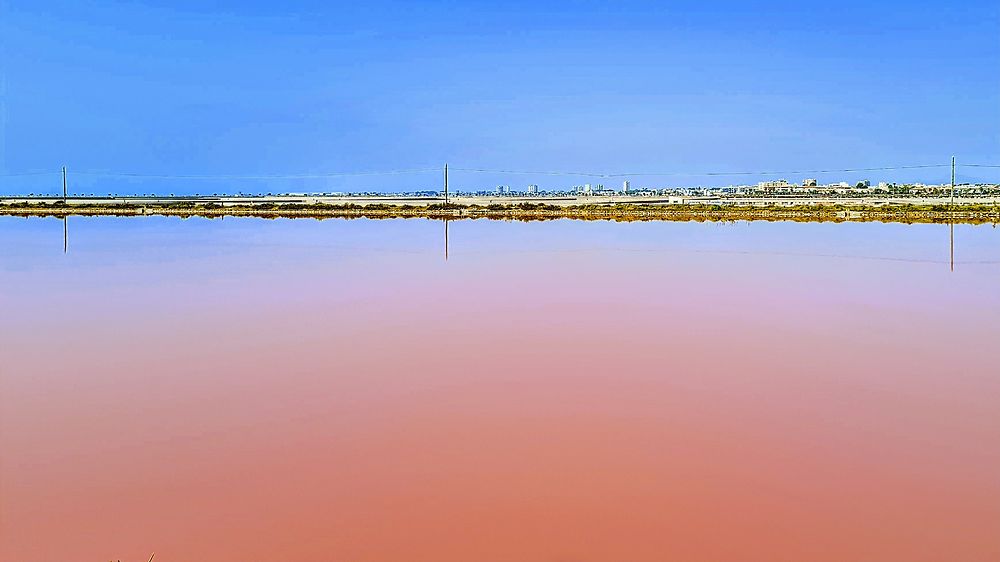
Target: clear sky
{"x": 251, "y": 87}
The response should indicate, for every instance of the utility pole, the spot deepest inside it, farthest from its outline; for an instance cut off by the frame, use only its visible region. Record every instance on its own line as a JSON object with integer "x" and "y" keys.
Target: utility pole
{"x": 951, "y": 218}
{"x": 446, "y": 183}
{"x": 64, "y": 183}
{"x": 953, "y": 181}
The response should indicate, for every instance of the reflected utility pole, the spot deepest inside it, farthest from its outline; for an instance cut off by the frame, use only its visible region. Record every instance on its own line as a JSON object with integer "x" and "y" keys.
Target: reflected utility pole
{"x": 951, "y": 242}
{"x": 65, "y": 234}
{"x": 445, "y": 239}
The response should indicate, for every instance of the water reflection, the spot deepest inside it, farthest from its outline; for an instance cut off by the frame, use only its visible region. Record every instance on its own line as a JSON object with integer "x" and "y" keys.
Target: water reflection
{"x": 951, "y": 242}
{"x": 288, "y": 390}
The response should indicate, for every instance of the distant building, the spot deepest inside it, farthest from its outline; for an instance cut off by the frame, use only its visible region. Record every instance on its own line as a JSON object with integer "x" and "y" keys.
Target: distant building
{"x": 532, "y": 188}
{"x": 587, "y": 189}
{"x": 625, "y": 186}
{"x": 772, "y": 185}
{"x": 809, "y": 183}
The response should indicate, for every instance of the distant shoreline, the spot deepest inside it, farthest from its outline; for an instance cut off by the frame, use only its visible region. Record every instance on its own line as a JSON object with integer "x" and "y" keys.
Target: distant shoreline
{"x": 622, "y": 212}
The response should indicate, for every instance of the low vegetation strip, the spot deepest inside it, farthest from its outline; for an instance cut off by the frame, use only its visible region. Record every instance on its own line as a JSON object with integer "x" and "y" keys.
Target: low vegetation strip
{"x": 970, "y": 214}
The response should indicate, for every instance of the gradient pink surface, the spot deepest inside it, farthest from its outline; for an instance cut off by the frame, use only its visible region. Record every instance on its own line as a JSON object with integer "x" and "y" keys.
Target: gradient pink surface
{"x": 553, "y": 392}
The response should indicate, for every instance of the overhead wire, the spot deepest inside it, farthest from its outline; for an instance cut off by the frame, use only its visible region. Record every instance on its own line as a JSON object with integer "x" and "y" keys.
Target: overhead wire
{"x": 580, "y": 173}
{"x": 249, "y": 176}
{"x": 755, "y": 173}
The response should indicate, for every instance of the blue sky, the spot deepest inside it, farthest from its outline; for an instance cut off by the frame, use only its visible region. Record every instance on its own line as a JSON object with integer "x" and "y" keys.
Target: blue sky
{"x": 313, "y": 87}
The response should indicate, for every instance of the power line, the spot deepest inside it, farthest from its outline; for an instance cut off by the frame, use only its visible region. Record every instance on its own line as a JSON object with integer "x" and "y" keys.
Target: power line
{"x": 23, "y": 174}
{"x": 760, "y": 173}
{"x": 139, "y": 175}
{"x": 251, "y": 177}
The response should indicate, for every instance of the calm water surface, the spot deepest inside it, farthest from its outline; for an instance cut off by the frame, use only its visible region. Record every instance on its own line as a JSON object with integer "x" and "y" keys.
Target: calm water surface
{"x": 563, "y": 391}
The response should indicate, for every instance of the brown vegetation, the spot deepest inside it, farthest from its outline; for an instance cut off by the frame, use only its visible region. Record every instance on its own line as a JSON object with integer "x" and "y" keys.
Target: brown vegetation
{"x": 971, "y": 214}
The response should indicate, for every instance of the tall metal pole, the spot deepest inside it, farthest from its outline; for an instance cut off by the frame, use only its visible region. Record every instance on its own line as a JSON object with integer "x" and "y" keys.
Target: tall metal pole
{"x": 951, "y": 218}
{"x": 953, "y": 180}
{"x": 446, "y": 183}
{"x": 64, "y": 183}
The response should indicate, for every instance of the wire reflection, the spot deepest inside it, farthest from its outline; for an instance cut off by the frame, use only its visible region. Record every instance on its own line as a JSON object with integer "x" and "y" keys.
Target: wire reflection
{"x": 951, "y": 249}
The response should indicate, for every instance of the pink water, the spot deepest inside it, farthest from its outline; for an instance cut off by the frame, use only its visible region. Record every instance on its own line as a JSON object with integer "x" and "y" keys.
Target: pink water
{"x": 298, "y": 390}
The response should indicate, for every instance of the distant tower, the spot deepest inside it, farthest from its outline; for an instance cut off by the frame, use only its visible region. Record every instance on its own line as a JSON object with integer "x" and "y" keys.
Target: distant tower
{"x": 532, "y": 189}
{"x": 625, "y": 186}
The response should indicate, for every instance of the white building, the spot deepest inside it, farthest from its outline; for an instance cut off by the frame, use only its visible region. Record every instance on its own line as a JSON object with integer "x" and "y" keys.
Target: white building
{"x": 771, "y": 185}
{"x": 625, "y": 186}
